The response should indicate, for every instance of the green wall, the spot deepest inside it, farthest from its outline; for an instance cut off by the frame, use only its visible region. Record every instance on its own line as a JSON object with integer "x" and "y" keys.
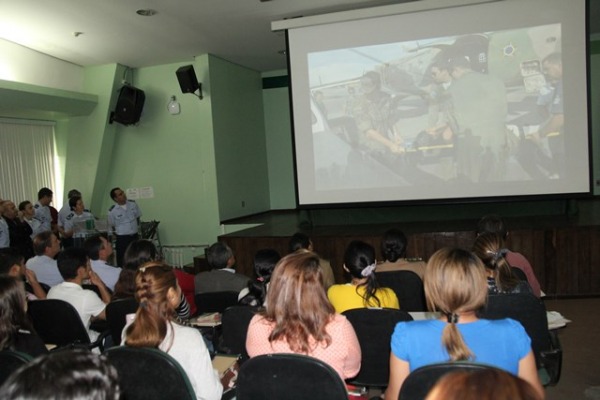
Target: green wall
{"x": 278, "y": 133}
{"x": 240, "y": 148}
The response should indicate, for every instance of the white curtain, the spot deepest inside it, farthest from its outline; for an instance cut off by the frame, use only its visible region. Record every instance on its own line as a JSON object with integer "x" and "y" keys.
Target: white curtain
{"x": 26, "y": 159}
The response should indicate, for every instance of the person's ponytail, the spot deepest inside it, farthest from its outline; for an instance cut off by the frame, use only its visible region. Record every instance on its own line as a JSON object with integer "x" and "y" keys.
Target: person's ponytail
{"x": 454, "y": 342}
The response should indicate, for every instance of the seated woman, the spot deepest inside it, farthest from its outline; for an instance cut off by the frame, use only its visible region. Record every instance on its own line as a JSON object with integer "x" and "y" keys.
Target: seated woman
{"x": 16, "y": 332}
{"x": 299, "y": 319}
{"x": 138, "y": 253}
{"x": 154, "y": 326}
{"x": 264, "y": 264}
{"x": 393, "y": 248}
{"x": 455, "y": 285}
{"x": 489, "y": 247}
{"x": 363, "y": 290}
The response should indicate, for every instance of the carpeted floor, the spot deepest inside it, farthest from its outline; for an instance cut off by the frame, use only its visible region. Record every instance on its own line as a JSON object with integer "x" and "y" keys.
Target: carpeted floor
{"x": 580, "y": 339}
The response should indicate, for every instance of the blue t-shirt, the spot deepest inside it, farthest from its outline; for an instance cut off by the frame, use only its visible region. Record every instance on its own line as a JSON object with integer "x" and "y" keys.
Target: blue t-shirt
{"x": 501, "y": 343}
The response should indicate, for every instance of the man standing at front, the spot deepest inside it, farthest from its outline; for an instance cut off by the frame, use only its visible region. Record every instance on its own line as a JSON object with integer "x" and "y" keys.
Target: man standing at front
{"x": 124, "y": 217}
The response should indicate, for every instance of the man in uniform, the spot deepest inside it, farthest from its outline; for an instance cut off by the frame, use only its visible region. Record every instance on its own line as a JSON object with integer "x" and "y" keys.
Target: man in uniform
{"x": 479, "y": 107}
{"x": 124, "y": 217}
{"x": 42, "y": 211}
{"x": 66, "y": 209}
{"x": 554, "y": 126}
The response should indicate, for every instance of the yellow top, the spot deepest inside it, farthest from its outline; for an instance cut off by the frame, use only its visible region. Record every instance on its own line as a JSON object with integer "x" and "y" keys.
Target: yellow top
{"x": 346, "y": 297}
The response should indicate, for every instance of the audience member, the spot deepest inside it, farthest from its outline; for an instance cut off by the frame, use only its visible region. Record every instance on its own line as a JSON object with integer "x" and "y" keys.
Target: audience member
{"x": 124, "y": 217}
{"x": 495, "y": 224}
{"x": 74, "y": 227}
{"x": 42, "y": 209}
{"x": 138, "y": 253}
{"x": 363, "y": 290}
{"x": 4, "y": 233}
{"x": 489, "y": 247}
{"x": 158, "y": 294}
{"x": 99, "y": 251}
{"x": 18, "y": 230}
{"x": 393, "y": 248}
{"x": 66, "y": 375}
{"x": 487, "y": 384}
{"x": 188, "y": 288}
{"x": 264, "y": 264}
{"x": 74, "y": 266}
{"x": 300, "y": 240}
{"x": 222, "y": 276}
{"x": 299, "y": 319}
{"x": 455, "y": 285}
{"x": 28, "y": 213}
{"x": 45, "y": 246}
{"x": 12, "y": 264}
{"x": 16, "y": 332}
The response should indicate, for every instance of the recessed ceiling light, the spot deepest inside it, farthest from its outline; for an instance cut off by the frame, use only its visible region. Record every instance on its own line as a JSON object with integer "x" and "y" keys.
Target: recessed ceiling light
{"x": 146, "y": 12}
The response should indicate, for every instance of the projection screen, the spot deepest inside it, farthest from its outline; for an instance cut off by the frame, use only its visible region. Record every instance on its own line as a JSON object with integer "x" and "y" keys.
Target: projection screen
{"x": 466, "y": 102}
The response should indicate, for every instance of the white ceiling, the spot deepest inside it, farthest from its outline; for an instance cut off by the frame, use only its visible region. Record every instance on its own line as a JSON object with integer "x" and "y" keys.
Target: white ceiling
{"x": 112, "y": 32}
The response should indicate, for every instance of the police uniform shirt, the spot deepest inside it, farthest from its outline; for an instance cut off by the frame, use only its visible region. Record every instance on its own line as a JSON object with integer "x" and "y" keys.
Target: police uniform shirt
{"x": 4, "y": 235}
{"x": 74, "y": 222}
{"x": 125, "y": 219}
{"x": 42, "y": 214}
{"x": 63, "y": 213}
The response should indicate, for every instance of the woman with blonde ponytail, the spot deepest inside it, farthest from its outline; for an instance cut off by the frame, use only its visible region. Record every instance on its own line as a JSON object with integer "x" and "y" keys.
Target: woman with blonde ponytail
{"x": 158, "y": 295}
{"x": 456, "y": 286}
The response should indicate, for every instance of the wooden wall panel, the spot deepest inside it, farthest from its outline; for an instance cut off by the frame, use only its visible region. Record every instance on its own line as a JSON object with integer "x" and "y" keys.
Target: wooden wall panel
{"x": 565, "y": 260}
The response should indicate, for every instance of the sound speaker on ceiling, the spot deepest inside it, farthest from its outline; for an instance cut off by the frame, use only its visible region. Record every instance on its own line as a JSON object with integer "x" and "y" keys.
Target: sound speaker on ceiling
{"x": 129, "y": 106}
{"x": 187, "y": 79}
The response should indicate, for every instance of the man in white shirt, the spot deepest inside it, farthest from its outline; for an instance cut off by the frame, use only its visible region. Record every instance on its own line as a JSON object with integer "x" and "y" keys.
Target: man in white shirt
{"x": 46, "y": 246}
{"x": 99, "y": 250}
{"x": 42, "y": 211}
{"x": 66, "y": 208}
{"x": 74, "y": 266}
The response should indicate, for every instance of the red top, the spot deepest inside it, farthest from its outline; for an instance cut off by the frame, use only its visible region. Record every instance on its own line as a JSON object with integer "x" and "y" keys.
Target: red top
{"x": 186, "y": 283}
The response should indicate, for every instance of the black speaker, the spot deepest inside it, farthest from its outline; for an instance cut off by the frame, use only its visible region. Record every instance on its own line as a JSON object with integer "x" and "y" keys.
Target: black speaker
{"x": 129, "y": 106}
{"x": 187, "y": 79}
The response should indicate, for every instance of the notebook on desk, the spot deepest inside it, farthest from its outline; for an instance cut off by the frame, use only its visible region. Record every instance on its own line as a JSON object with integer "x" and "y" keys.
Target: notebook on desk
{"x": 208, "y": 319}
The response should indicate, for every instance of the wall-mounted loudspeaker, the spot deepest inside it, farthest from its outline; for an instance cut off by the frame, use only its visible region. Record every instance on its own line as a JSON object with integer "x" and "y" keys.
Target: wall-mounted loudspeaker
{"x": 129, "y": 106}
{"x": 187, "y": 79}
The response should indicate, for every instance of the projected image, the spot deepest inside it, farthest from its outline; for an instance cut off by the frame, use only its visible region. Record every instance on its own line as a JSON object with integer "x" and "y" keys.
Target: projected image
{"x": 479, "y": 108}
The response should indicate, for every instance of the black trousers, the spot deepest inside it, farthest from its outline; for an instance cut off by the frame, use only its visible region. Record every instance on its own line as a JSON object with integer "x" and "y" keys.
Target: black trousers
{"x": 121, "y": 245}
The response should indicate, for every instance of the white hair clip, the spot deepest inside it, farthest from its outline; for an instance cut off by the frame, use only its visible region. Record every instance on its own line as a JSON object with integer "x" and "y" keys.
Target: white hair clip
{"x": 368, "y": 270}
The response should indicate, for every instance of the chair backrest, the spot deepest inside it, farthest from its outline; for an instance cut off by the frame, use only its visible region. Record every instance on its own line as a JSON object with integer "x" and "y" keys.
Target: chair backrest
{"x": 234, "y": 325}
{"x": 421, "y": 380}
{"x": 57, "y": 322}
{"x": 10, "y": 361}
{"x": 374, "y": 328}
{"x": 519, "y": 274}
{"x": 528, "y": 310}
{"x": 408, "y": 288}
{"x": 115, "y": 316}
{"x": 215, "y": 301}
{"x": 290, "y": 377}
{"x": 146, "y": 373}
